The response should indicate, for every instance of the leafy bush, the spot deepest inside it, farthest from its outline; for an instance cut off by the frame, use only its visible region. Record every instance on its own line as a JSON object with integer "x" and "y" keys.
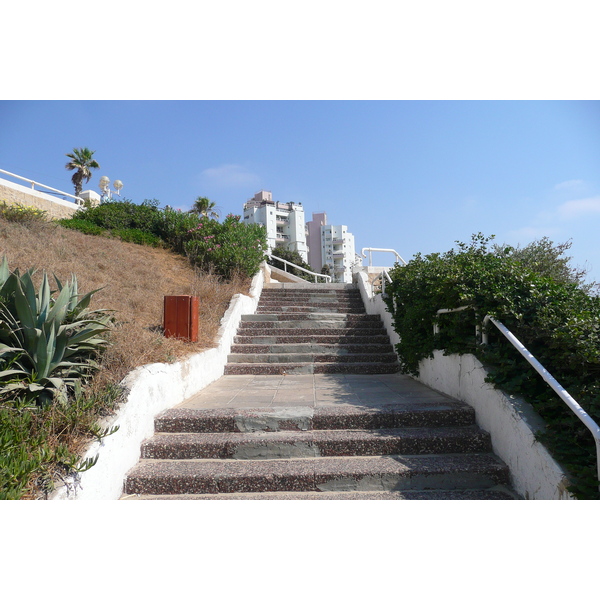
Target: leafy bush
{"x": 227, "y": 248}
{"x": 557, "y": 320}
{"x": 136, "y": 236}
{"x": 39, "y": 446}
{"x": 46, "y": 343}
{"x": 82, "y": 225}
{"x": 21, "y": 214}
{"x": 124, "y": 214}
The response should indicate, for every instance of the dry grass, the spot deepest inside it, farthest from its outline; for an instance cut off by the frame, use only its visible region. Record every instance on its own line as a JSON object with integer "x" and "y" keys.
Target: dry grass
{"x": 134, "y": 280}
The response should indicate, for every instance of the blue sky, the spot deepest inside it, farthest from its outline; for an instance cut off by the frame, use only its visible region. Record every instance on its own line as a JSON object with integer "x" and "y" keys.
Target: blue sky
{"x": 410, "y": 175}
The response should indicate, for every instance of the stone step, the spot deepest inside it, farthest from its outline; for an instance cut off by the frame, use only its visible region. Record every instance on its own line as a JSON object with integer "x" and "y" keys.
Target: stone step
{"x": 365, "y": 473}
{"x": 304, "y": 324}
{"x": 309, "y": 293}
{"x": 313, "y": 357}
{"x": 309, "y": 300}
{"x": 316, "y": 443}
{"x": 333, "y": 317}
{"x": 293, "y": 309}
{"x": 311, "y": 348}
{"x": 309, "y": 368}
{"x": 343, "y": 337}
{"x": 496, "y": 493}
{"x": 445, "y": 413}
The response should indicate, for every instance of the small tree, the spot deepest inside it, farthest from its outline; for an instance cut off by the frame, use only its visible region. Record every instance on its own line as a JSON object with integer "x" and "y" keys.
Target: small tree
{"x": 203, "y": 207}
{"x": 548, "y": 259}
{"x": 82, "y": 162}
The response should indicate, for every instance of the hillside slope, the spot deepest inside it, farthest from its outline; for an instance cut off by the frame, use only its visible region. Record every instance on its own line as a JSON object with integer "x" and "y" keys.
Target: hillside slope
{"x": 134, "y": 279}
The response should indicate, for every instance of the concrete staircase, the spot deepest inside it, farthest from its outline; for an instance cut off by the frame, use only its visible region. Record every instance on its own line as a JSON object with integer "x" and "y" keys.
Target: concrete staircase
{"x": 305, "y": 330}
{"x": 413, "y": 444}
{"x": 413, "y": 452}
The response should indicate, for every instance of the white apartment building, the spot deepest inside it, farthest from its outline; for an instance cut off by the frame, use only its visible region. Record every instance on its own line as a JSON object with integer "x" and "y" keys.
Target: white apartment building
{"x": 330, "y": 245}
{"x": 284, "y": 222}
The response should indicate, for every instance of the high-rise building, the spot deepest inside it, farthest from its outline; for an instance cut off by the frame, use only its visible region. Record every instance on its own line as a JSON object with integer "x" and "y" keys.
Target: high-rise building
{"x": 284, "y": 222}
{"x": 330, "y": 245}
{"x": 313, "y": 240}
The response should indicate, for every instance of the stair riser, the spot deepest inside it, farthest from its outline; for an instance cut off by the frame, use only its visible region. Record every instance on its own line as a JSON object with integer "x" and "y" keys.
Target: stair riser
{"x": 330, "y": 317}
{"x": 311, "y": 348}
{"x": 311, "y": 368}
{"x": 308, "y": 328}
{"x": 344, "y": 338}
{"x": 238, "y": 421}
{"x": 233, "y": 477}
{"x": 300, "y": 310}
{"x": 186, "y": 448}
{"x": 284, "y": 358}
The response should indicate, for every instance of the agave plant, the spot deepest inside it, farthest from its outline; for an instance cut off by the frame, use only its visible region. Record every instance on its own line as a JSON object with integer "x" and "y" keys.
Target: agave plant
{"x": 46, "y": 343}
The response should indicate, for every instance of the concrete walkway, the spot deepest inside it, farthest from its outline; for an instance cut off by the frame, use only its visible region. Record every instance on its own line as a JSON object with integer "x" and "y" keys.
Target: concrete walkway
{"x": 314, "y": 391}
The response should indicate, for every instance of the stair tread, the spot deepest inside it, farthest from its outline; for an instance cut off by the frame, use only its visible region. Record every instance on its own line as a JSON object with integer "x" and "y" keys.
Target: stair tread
{"x": 497, "y": 493}
{"x": 263, "y": 445}
{"x": 389, "y": 473}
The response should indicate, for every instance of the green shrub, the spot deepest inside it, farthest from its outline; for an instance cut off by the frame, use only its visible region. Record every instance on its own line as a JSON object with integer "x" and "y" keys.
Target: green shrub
{"x": 46, "y": 343}
{"x": 36, "y": 446}
{"x": 557, "y": 320}
{"x": 22, "y": 214}
{"x": 136, "y": 236}
{"x": 82, "y": 225}
{"x": 124, "y": 214}
{"x": 227, "y": 248}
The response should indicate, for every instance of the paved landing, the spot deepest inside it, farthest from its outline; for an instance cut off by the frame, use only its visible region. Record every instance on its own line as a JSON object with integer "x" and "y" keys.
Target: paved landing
{"x": 316, "y": 391}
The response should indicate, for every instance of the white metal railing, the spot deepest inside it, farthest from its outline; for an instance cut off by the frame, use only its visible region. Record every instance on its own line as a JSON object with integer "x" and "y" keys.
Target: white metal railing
{"x": 34, "y": 183}
{"x": 575, "y": 407}
{"x": 286, "y": 263}
{"x": 380, "y": 281}
{"x": 562, "y": 393}
{"x": 371, "y": 250}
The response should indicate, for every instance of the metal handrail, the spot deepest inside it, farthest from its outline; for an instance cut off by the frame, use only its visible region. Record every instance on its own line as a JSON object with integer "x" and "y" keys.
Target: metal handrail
{"x": 575, "y": 407}
{"x": 383, "y": 276}
{"x": 34, "y": 183}
{"x": 371, "y": 250}
{"x": 287, "y": 262}
{"x": 562, "y": 393}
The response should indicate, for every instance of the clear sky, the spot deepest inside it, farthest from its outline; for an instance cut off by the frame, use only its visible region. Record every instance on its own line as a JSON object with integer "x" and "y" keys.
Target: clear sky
{"x": 410, "y": 175}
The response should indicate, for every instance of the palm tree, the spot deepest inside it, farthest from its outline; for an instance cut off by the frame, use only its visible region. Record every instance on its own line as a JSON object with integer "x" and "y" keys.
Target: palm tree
{"x": 81, "y": 162}
{"x": 205, "y": 208}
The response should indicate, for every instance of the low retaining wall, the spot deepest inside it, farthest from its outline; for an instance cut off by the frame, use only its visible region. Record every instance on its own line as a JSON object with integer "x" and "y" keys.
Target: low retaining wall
{"x": 511, "y": 422}
{"x": 152, "y": 389}
{"x": 57, "y": 208}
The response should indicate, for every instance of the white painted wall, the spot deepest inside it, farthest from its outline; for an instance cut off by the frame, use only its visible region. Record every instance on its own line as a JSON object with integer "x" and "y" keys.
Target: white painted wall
{"x": 152, "y": 389}
{"x": 511, "y": 422}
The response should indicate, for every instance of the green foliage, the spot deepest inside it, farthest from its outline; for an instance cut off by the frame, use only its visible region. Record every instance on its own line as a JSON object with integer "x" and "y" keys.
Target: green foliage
{"x": 294, "y": 257}
{"x": 204, "y": 207}
{"x": 81, "y": 160}
{"x": 124, "y": 214}
{"x": 136, "y": 236}
{"x": 22, "y": 214}
{"x": 557, "y": 320}
{"x": 82, "y": 225}
{"x": 35, "y": 443}
{"x": 227, "y": 248}
{"x": 46, "y": 343}
{"x": 548, "y": 259}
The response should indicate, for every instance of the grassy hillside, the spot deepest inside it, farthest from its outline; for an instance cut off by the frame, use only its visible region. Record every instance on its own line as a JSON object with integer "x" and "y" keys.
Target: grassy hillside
{"x": 134, "y": 279}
